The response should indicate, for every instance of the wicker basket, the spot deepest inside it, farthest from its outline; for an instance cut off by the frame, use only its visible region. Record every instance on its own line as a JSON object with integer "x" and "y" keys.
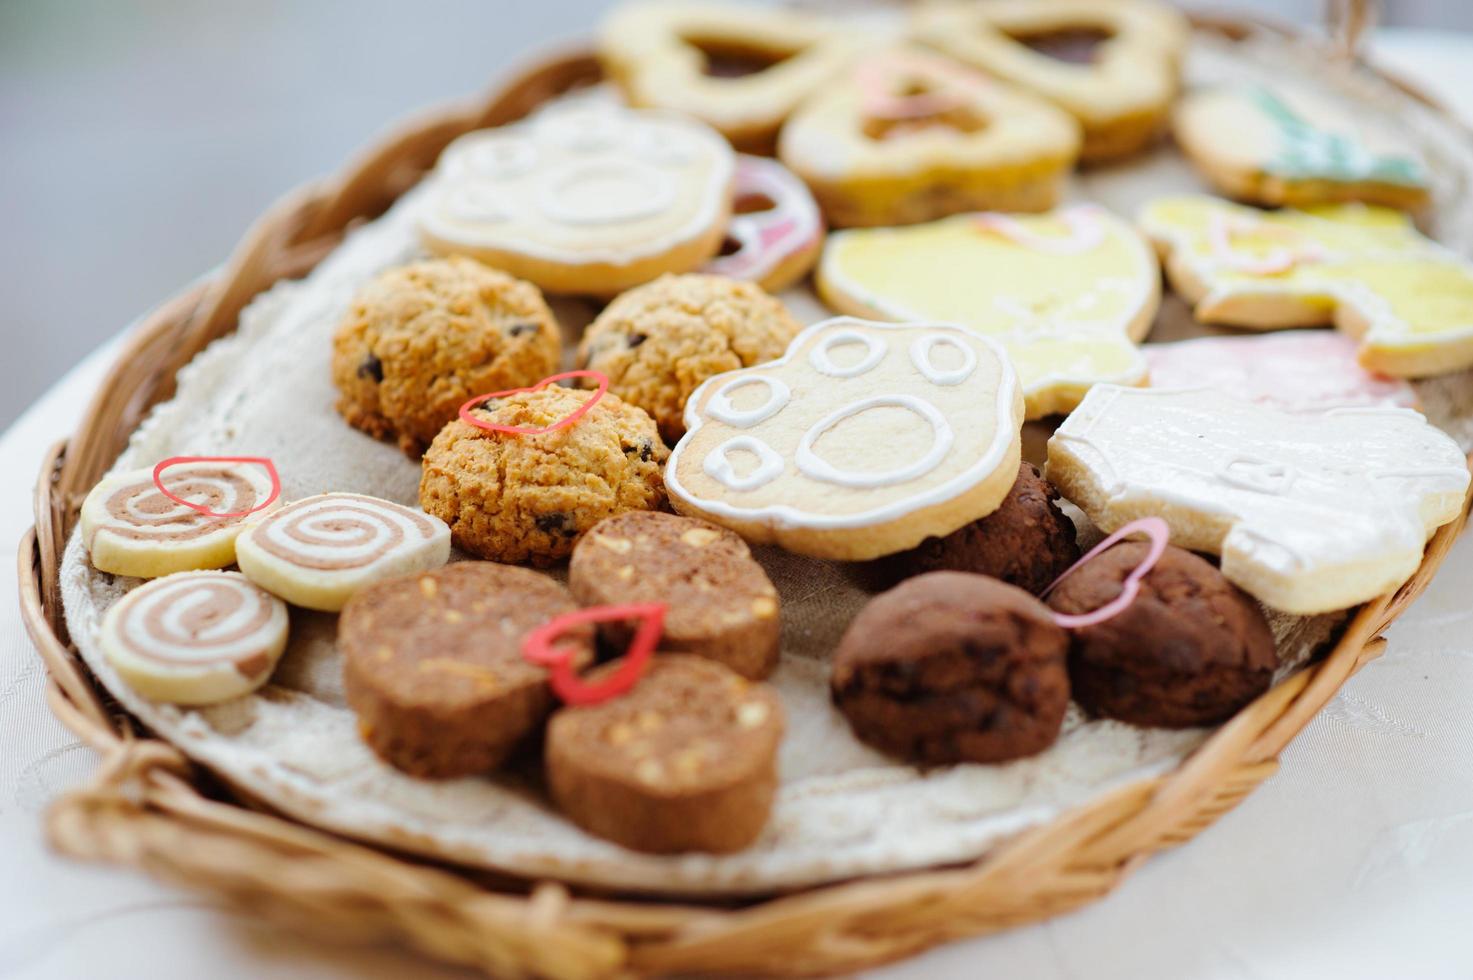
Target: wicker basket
{"x": 150, "y": 807}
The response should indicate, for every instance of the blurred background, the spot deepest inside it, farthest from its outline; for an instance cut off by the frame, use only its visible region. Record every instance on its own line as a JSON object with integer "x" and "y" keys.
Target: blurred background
{"x": 139, "y": 139}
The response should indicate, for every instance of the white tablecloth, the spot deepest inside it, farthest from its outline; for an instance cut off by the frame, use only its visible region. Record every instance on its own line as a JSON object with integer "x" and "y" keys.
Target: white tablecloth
{"x": 1355, "y": 861}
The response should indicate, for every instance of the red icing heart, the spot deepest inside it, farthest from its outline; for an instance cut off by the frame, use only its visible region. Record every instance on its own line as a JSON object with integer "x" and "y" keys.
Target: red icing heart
{"x": 538, "y": 648}
{"x": 1154, "y": 528}
{"x": 574, "y": 416}
{"x": 158, "y": 472}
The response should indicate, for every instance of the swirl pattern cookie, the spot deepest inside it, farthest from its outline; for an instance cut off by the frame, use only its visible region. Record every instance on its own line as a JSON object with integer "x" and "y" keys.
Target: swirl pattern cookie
{"x": 584, "y": 197}
{"x": 195, "y": 637}
{"x": 1310, "y": 513}
{"x": 1067, "y": 293}
{"x": 1366, "y": 270}
{"x": 862, "y": 440}
{"x": 775, "y": 232}
{"x": 318, "y": 551}
{"x": 132, "y": 528}
{"x": 909, "y": 136}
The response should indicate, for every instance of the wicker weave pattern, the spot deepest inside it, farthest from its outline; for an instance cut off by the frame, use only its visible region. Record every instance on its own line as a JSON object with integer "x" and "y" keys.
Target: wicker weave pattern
{"x": 148, "y": 806}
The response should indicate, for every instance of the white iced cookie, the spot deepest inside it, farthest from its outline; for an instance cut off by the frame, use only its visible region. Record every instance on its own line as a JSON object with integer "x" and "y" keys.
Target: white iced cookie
{"x": 195, "y": 637}
{"x": 318, "y": 551}
{"x": 585, "y": 197}
{"x": 1310, "y": 512}
{"x": 863, "y": 439}
{"x": 131, "y": 528}
{"x": 775, "y": 232}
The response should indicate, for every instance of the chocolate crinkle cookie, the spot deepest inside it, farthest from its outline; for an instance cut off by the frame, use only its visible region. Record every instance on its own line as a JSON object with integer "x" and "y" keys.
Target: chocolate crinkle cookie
{"x": 951, "y": 667}
{"x": 1027, "y": 542}
{"x": 1191, "y": 649}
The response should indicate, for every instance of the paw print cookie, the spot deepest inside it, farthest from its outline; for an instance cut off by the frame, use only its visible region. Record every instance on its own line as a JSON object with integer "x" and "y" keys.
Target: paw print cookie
{"x": 585, "y": 197}
{"x": 1283, "y": 146}
{"x": 1366, "y": 270}
{"x": 1067, "y": 293}
{"x": 862, "y": 440}
{"x": 1310, "y": 513}
{"x": 740, "y": 68}
{"x": 909, "y": 136}
{"x": 776, "y": 231}
{"x": 1113, "y": 66}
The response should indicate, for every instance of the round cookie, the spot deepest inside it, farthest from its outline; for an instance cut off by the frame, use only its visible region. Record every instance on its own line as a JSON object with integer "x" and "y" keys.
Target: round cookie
{"x": 776, "y": 231}
{"x": 422, "y": 338}
{"x": 1027, "y": 542}
{"x": 722, "y": 605}
{"x": 659, "y": 342}
{"x": 686, "y": 761}
{"x": 195, "y": 637}
{"x": 433, "y": 666}
{"x": 949, "y": 667}
{"x": 1190, "y": 650}
{"x": 516, "y": 498}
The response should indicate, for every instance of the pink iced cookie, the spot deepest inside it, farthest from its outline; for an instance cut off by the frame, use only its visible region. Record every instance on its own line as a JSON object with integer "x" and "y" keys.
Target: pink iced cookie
{"x": 775, "y": 231}
{"x": 1294, "y": 370}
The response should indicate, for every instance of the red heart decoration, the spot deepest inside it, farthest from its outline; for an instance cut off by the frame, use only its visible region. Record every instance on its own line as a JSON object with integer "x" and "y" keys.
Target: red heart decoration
{"x": 575, "y": 415}
{"x": 538, "y": 648}
{"x": 1152, "y": 527}
{"x": 158, "y": 472}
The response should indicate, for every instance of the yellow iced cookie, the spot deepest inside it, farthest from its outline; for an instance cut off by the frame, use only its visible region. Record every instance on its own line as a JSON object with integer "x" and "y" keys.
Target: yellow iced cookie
{"x": 1366, "y": 270}
{"x": 1067, "y": 293}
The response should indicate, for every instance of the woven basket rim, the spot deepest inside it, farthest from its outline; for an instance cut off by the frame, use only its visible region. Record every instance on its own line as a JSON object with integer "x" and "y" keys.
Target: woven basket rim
{"x": 151, "y": 807}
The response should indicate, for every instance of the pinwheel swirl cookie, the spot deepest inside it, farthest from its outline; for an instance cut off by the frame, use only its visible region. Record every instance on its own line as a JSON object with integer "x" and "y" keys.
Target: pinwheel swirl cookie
{"x": 1067, "y": 293}
{"x": 318, "y": 551}
{"x": 1310, "y": 513}
{"x": 863, "y": 439}
{"x": 585, "y": 197}
{"x": 1366, "y": 270}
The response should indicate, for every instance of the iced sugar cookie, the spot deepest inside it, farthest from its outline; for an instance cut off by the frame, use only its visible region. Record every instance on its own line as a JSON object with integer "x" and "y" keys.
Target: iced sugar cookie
{"x": 1408, "y": 300}
{"x": 1294, "y": 370}
{"x": 1285, "y": 146}
{"x": 1113, "y": 65}
{"x": 585, "y": 197}
{"x": 131, "y": 527}
{"x": 1310, "y": 513}
{"x": 863, "y": 439}
{"x": 318, "y": 551}
{"x": 775, "y": 232}
{"x": 909, "y": 136}
{"x": 195, "y": 637}
{"x": 1067, "y": 293}
{"x": 737, "y": 67}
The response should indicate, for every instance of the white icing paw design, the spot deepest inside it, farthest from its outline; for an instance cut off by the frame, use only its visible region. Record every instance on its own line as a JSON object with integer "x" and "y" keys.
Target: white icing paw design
{"x": 1310, "y": 512}
{"x": 863, "y": 439}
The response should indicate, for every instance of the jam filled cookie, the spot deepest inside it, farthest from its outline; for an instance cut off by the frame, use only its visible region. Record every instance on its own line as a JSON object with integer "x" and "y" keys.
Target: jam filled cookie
{"x": 1284, "y": 146}
{"x": 586, "y": 198}
{"x": 722, "y": 604}
{"x": 1189, "y": 650}
{"x": 131, "y": 527}
{"x": 195, "y": 637}
{"x": 909, "y": 136}
{"x": 1114, "y": 66}
{"x": 776, "y": 231}
{"x": 421, "y": 339}
{"x": 949, "y": 667}
{"x": 686, "y": 761}
{"x": 433, "y": 667}
{"x": 862, "y": 440}
{"x": 527, "y": 497}
{"x": 318, "y": 551}
{"x": 737, "y": 67}
{"x": 659, "y": 342}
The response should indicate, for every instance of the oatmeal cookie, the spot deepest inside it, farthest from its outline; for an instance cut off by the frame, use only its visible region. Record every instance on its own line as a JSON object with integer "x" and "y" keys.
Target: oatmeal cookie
{"x": 517, "y": 498}
{"x": 422, "y": 338}
{"x": 658, "y": 343}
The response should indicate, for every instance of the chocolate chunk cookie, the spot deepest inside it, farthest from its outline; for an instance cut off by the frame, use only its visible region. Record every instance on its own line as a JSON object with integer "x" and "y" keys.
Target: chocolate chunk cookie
{"x": 686, "y": 761}
{"x": 422, "y": 338}
{"x": 951, "y": 667}
{"x": 433, "y": 667}
{"x": 1027, "y": 542}
{"x": 722, "y": 604}
{"x": 518, "y": 498}
{"x": 1190, "y": 650}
